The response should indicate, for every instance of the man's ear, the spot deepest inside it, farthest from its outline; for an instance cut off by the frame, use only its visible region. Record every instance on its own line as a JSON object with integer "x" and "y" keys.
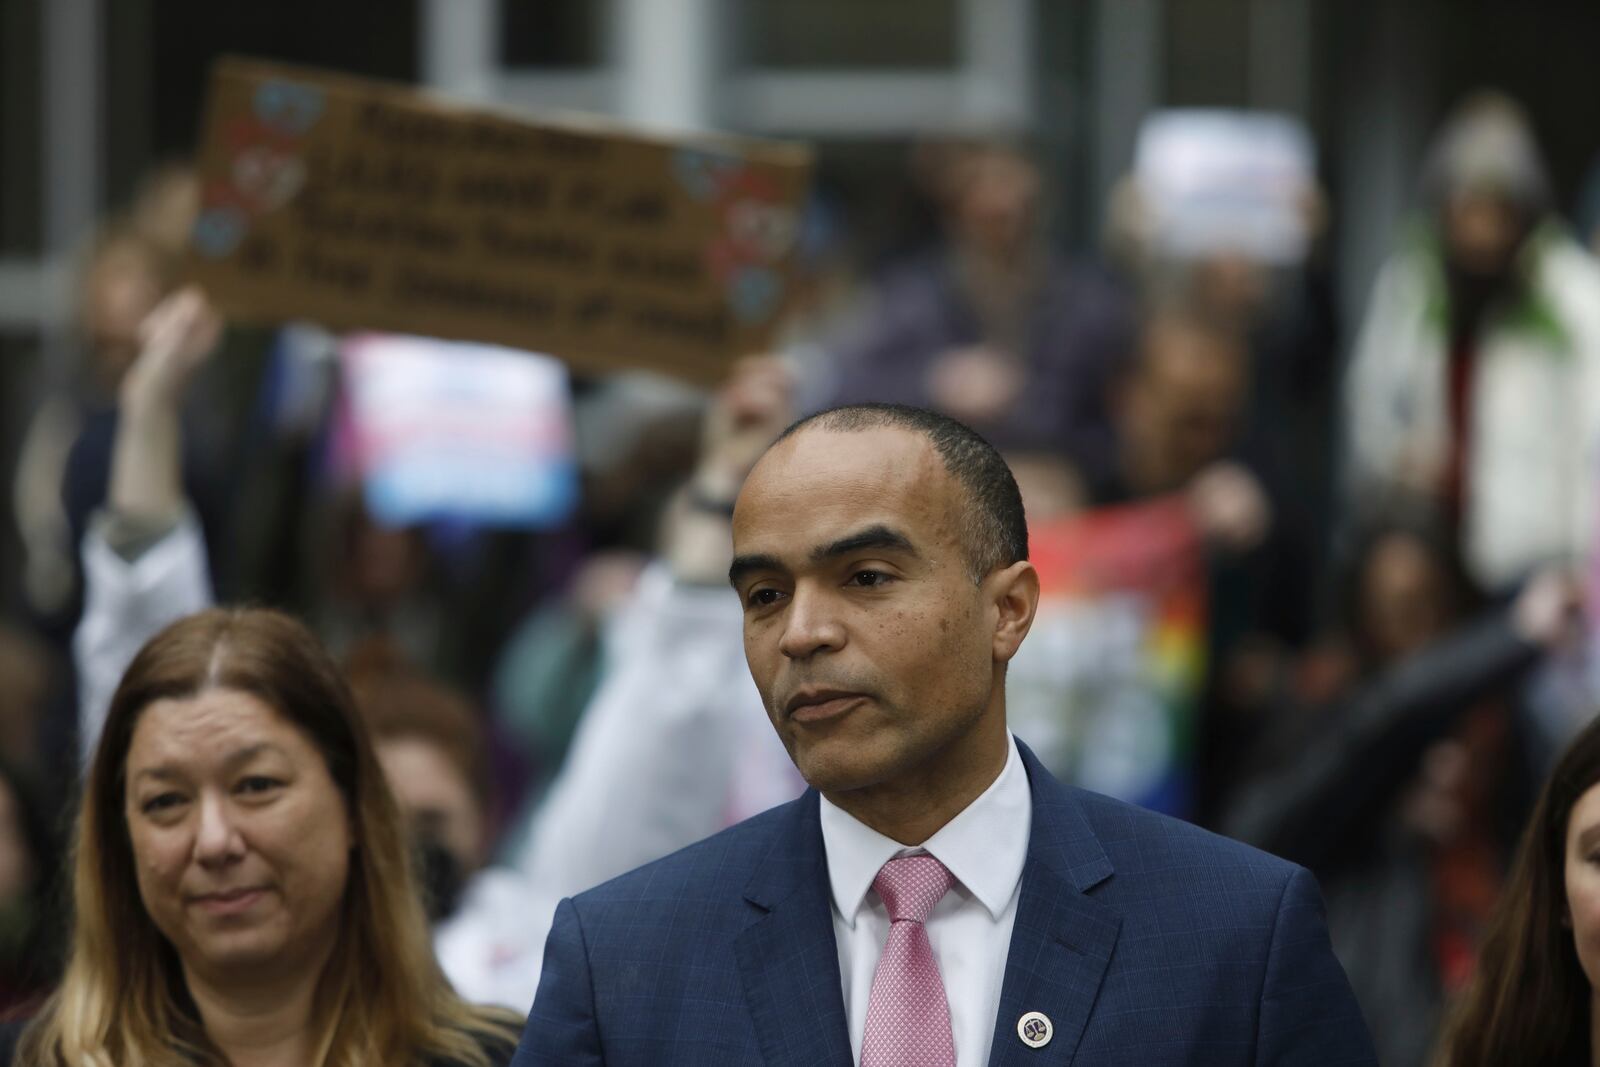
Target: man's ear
{"x": 1015, "y": 595}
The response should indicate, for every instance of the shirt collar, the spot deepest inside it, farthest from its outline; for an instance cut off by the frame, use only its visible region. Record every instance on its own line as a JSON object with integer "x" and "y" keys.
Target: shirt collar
{"x": 985, "y": 846}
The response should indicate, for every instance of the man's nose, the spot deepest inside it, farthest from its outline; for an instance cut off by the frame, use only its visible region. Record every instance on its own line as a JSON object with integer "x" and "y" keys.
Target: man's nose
{"x": 217, "y": 839}
{"x": 811, "y": 624}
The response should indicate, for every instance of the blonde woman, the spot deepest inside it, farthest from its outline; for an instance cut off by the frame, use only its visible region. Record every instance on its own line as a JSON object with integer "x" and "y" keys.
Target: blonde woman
{"x": 243, "y": 891}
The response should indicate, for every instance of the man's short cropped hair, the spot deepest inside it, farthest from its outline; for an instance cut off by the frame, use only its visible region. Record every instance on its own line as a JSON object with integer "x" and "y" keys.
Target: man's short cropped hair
{"x": 993, "y": 528}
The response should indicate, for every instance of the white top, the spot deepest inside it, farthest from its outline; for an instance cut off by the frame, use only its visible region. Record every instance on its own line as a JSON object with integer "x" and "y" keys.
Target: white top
{"x": 985, "y": 847}
{"x": 492, "y": 947}
{"x": 124, "y": 605}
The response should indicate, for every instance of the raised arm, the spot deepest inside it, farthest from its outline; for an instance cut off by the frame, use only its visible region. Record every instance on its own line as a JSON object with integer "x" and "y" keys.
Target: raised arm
{"x": 655, "y": 764}
{"x": 1367, "y": 748}
{"x": 144, "y": 560}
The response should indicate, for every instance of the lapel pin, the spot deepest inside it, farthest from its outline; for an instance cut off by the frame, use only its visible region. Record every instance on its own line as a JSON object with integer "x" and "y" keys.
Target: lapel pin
{"x": 1035, "y": 1030}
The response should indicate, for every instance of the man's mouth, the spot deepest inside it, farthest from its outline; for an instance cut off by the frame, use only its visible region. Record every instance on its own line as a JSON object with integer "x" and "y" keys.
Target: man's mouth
{"x": 819, "y": 705}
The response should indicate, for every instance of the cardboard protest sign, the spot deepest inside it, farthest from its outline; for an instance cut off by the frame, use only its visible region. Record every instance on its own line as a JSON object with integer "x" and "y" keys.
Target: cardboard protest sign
{"x": 1106, "y": 687}
{"x": 455, "y": 430}
{"x": 362, "y": 205}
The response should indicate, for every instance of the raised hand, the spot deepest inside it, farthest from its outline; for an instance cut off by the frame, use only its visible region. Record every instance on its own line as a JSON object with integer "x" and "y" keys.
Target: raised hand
{"x": 744, "y": 417}
{"x": 1548, "y": 612}
{"x": 176, "y": 338}
{"x": 146, "y": 465}
{"x": 1231, "y": 506}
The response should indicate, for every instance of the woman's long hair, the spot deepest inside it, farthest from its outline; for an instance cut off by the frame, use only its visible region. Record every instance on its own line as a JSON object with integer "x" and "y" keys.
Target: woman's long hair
{"x": 123, "y": 1001}
{"x": 1529, "y": 1000}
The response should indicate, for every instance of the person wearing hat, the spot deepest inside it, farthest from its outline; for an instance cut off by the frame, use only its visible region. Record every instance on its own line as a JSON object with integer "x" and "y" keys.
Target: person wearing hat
{"x": 1473, "y": 394}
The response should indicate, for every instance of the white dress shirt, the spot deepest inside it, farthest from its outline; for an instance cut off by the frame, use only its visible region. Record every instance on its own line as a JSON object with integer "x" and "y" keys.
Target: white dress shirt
{"x": 985, "y": 847}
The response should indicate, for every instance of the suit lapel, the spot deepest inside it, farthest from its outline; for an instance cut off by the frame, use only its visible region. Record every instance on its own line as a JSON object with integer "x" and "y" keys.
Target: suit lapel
{"x": 1063, "y": 938}
{"x": 788, "y": 957}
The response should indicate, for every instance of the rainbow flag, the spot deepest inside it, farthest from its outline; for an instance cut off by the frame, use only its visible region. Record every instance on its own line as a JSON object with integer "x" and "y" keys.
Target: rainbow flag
{"x": 1106, "y": 688}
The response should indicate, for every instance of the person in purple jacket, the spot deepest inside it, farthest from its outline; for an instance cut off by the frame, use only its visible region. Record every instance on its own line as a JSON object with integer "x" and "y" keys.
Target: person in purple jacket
{"x": 994, "y": 327}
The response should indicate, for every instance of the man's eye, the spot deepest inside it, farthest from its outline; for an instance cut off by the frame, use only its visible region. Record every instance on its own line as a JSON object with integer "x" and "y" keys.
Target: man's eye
{"x": 760, "y": 598}
{"x": 257, "y": 783}
{"x": 870, "y": 579}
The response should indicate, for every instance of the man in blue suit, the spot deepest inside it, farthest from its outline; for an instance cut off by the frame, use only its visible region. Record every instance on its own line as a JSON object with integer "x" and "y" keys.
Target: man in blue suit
{"x": 936, "y": 898}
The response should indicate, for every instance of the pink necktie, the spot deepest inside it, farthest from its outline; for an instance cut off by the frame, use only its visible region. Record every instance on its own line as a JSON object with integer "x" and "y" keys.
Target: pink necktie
{"x": 908, "y": 1017}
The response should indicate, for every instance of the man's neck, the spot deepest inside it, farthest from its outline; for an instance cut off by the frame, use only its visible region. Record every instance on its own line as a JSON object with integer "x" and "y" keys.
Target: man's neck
{"x": 259, "y": 1023}
{"x": 915, "y": 806}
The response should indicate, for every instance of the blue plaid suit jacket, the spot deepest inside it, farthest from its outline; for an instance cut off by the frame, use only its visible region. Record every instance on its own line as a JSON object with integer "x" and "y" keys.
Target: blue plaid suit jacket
{"x": 1145, "y": 940}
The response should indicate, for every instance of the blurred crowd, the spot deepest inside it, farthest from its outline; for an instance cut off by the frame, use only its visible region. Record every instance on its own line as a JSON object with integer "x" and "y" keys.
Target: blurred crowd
{"x": 1394, "y": 523}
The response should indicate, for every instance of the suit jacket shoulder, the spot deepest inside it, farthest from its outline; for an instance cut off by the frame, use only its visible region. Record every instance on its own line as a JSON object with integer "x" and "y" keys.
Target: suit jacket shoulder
{"x": 1143, "y": 939}
{"x": 1152, "y": 848}
{"x": 721, "y": 954}
{"x": 715, "y": 868}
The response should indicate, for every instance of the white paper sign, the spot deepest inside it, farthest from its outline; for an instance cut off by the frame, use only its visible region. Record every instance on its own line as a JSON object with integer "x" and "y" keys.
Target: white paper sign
{"x": 1217, "y": 181}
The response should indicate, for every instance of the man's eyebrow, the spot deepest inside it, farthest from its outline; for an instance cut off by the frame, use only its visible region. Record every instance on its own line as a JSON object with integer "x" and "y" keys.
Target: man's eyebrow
{"x": 872, "y": 537}
{"x": 881, "y": 537}
{"x": 745, "y": 565}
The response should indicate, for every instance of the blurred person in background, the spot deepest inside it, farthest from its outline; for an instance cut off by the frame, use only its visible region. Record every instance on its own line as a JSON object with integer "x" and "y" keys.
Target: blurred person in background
{"x": 146, "y": 566}
{"x": 1400, "y": 776}
{"x": 63, "y": 465}
{"x": 31, "y": 923}
{"x": 995, "y": 327}
{"x": 130, "y": 266}
{"x": 1179, "y": 406}
{"x": 1532, "y": 1000}
{"x": 1474, "y": 388}
{"x": 25, "y": 664}
{"x": 379, "y": 583}
{"x": 123, "y": 276}
{"x": 430, "y": 743}
{"x": 549, "y": 667}
{"x": 1178, "y": 415}
{"x": 144, "y": 559}
{"x": 1285, "y": 312}
{"x": 242, "y": 887}
{"x": 30, "y": 853}
{"x": 166, "y": 205}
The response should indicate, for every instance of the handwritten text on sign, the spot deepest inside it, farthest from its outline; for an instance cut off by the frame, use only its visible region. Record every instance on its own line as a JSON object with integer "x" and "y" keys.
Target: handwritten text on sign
{"x": 364, "y": 205}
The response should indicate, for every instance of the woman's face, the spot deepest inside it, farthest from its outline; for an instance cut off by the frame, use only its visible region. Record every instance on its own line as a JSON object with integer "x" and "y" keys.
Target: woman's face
{"x": 1583, "y": 881}
{"x": 241, "y": 838}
